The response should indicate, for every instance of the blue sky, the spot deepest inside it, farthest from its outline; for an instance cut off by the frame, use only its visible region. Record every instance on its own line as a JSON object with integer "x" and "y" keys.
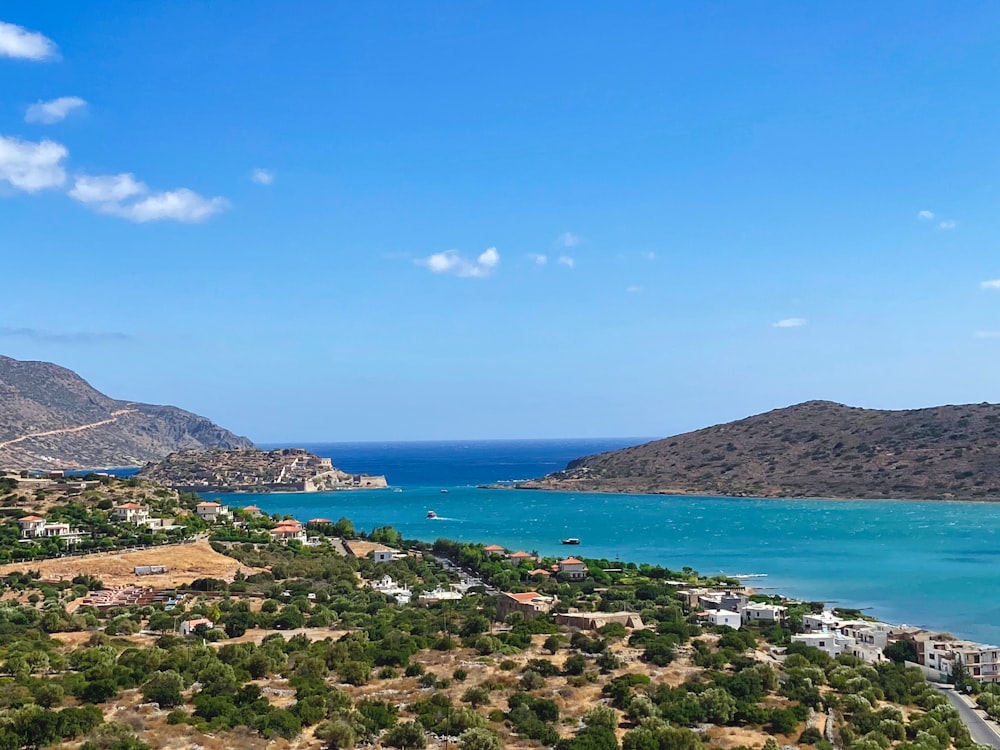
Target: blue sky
{"x": 348, "y": 221}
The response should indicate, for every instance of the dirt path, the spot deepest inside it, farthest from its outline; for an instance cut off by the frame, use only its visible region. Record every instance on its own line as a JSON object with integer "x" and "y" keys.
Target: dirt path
{"x": 65, "y": 430}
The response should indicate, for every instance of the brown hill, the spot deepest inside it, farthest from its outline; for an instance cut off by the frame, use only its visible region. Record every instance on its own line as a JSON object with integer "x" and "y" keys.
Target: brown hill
{"x": 814, "y": 449}
{"x": 52, "y": 418}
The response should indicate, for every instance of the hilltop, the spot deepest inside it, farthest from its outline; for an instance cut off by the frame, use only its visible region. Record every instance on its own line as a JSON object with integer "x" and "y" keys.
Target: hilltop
{"x": 51, "y": 418}
{"x": 252, "y": 470}
{"x": 813, "y": 449}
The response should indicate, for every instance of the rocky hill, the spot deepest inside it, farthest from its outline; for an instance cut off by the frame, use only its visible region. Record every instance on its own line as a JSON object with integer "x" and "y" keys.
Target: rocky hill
{"x": 814, "y": 449}
{"x": 282, "y": 470}
{"x": 50, "y": 418}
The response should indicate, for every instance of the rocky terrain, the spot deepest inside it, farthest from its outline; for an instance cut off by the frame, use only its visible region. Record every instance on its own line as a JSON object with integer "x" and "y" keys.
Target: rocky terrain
{"x": 282, "y": 470}
{"x": 813, "y": 449}
{"x": 50, "y": 418}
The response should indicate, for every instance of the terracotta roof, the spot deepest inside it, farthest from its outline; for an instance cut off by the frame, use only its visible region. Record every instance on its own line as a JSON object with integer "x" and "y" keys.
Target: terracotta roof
{"x": 320, "y": 520}
{"x": 571, "y": 561}
{"x": 539, "y": 572}
{"x": 527, "y": 597}
{"x": 494, "y": 548}
{"x": 197, "y": 622}
{"x": 251, "y": 507}
{"x": 208, "y": 505}
{"x": 522, "y": 555}
{"x": 32, "y": 518}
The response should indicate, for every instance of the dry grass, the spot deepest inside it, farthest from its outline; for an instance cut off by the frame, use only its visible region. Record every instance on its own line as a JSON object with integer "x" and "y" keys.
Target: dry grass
{"x": 185, "y": 563}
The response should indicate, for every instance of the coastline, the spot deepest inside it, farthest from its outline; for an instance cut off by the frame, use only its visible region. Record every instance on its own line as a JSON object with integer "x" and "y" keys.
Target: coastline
{"x": 528, "y": 487}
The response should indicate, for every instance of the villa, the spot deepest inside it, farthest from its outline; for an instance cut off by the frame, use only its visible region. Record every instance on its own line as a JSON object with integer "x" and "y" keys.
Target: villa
{"x": 724, "y": 617}
{"x": 130, "y": 513}
{"x": 36, "y": 527}
{"x": 385, "y": 585}
{"x": 763, "y": 614}
{"x": 573, "y": 569}
{"x": 211, "y": 512}
{"x": 287, "y": 531}
{"x": 530, "y": 604}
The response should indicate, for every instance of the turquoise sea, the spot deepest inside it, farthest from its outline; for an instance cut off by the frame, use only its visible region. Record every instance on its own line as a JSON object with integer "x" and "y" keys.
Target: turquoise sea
{"x": 933, "y": 564}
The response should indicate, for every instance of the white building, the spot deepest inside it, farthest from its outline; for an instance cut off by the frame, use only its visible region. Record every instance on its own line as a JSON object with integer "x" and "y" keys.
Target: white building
{"x": 36, "y": 527}
{"x": 816, "y": 623}
{"x": 833, "y": 644}
{"x": 725, "y": 617}
{"x": 211, "y": 512}
{"x": 763, "y": 614}
{"x": 387, "y": 586}
{"x": 130, "y": 513}
{"x": 188, "y": 626}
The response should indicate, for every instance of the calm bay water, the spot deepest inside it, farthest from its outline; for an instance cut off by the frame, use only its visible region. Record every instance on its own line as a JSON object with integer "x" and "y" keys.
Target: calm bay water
{"x": 933, "y": 564}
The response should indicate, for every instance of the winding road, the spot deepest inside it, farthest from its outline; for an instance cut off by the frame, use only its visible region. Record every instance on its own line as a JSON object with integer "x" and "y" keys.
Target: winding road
{"x": 983, "y": 732}
{"x": 65, "y": 430}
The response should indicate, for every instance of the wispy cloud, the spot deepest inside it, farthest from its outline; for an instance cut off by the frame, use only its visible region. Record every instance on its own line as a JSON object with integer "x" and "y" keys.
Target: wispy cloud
{"x": 986, "y": 335}
{"x": 925, "y": 215}
{"x": 40, "y": 335}
{"x": 790, "y": 323}
{"x": 31, "y": 166}
{"x": 633, "y": 289}
{"x": 454, "y": 263}
{"x": 650, "y": 255}
{"x": 565, "y": 260}
{"x": 568, "y": 239}
{"x": 948, "y": 224}
{"x": 540, "y": 260}
{"x": 54, "y": 110}
{"x": 123, "y": 196}
{"x": 990, "y": 284}
{"x": 262, "y": 176}
{"x": 19, "y": 43}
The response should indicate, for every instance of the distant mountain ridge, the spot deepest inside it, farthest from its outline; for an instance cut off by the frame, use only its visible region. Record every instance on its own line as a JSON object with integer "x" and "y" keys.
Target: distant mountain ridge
{"x": 813, "y": 449}
{"x": 51, "y": 418}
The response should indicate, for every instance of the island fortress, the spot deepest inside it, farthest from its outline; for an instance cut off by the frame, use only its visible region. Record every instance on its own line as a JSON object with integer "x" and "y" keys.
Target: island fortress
{"x": 282, "y": 470}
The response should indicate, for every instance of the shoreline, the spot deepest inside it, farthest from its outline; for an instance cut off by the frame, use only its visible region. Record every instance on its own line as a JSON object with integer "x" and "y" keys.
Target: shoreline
{"x": 680, "y": 493}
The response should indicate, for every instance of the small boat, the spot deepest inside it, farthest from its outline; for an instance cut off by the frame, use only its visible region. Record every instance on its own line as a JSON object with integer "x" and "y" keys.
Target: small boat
{"x": 431, "y": 514}
{"x": 444, "y": 492}
{"x": 571, "y": 540}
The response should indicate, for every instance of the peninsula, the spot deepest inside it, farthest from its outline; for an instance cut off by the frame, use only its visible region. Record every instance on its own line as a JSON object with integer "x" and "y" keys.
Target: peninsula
{"x": 252, "y": 470}
{"x": 51, "y": 418}
{"x": 813, "y": 449}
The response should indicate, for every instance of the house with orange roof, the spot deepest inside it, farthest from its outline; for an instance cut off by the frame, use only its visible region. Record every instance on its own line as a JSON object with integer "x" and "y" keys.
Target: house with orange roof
{"x": 288, "y": 530}
{"x": 253, "y": 511}
{"x": 211, "y": 512}
{"x": 130, "y": 513}
{"x": 31, "y": 526}
{"x": 529, "y": 603}
{"x": 36, "y": 527}
{"x": 541, "y": 572}
{"x": 494, "y": 549}
{"x": 575, "y": 570}
{"x": 519, "y": 557}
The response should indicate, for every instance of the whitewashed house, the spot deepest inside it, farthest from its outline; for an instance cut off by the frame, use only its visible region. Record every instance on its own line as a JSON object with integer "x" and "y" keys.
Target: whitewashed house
{"x": 724, "y": 617}
{"x": 759, "y": 613}
{"x": 130, "y": 513}
{"x": 211, "y": 512}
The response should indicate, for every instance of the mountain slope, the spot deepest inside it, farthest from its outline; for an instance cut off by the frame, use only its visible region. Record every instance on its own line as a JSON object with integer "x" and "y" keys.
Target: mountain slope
{"x": 52, "y": 418}
{"x": 813, "y": 449}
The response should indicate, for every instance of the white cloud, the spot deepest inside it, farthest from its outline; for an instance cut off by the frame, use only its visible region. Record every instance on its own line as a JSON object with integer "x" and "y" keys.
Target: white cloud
{"x": 540, "y": 260}
{"x": 948, "y": 224}
{"x": 568, "y": 239}
{"x": 32, "y": 166}
{"x": 262, "y": 176}
{"x": 990, "y": 284}
{"x": 19, "y": 43}
{"x": 790, "y": 323}
{"x": 565, "y": 260}
{"x": 925, "y": 215}
{"x": 633, "y": 289}
{"x": 123, "y": 196}
{"x": 986, "y": 335}
{"x": 54, "y": 110}
{"x": 649, "y": 255}
{"x": 453, "y": 262}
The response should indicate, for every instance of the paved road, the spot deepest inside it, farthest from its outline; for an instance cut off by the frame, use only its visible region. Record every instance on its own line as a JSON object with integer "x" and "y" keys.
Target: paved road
{"x": 981, "y": 730}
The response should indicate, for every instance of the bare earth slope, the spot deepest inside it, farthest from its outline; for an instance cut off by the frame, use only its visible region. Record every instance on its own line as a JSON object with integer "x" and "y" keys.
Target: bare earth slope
{"x": 814, "y": 449}
{"x": 51, "y": 418}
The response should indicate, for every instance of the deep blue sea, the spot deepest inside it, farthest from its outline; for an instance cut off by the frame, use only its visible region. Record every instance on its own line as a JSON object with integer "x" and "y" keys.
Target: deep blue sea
{"x": 933, "y": 564}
